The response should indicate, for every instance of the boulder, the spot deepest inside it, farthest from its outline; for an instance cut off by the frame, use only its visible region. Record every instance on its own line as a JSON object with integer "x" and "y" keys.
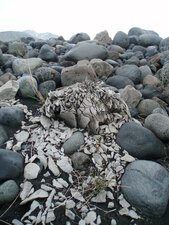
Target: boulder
{"x": 9, "y": 90}
{"x": 164, "y": 44}
{"x": 119, "y": 81}
{"x": 48, "y": 54}
{"x": 164, "y": 75}
{"x": 151, "y": 80}
{"x": 149, "y": 39}
{"x": 121, "y": 39}
{"x": 145, "y": 70}
{"x": 17, "y": 49}
{"x": 27, "y": 86}
{"x": 101, "y": 68}
{"x": 140, "y": 142}
{"x": 80, "y": 161}
{"x": 6, "y": 77}
{"x": 8, "y": 191}
{"x": 47, "y": 86}
{"x": 145, "y": 186}
{"x": 103, "y": 37}
{"x": 146, "y": 106}
{"x": 159, "y": 125}
{"x": 3, "y": 135}
{"x": 79, "y": 37}
{"x": 150, "y": 91}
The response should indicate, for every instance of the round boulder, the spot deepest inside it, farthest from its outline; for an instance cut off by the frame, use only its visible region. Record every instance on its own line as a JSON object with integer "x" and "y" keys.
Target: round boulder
{"x": 48, "y": 54}
{"x": 27, "y": 86}
{"x": 145, "y": 185}
{"x": 149, "y": 39}
{"x": 47, "y": 86}
{"x": 79, "y": 37}
{"x": 8, "y": 191}
{"x": 121, "y": 39}
{"x": 146, "y": 106}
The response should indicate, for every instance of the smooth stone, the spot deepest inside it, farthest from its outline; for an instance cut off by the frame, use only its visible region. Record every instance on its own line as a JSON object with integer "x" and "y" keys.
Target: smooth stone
{"x": 31, "y": 171}
{"x": 73, "y": 143}
{"x": 151, "y": 80}
{"x": 145, "y": 70}
{"x": 159, "y": 125}
{"x": 21, "y": 66}
{"x": 130, "y": 71}
{"x": 86, "y": 50}
{"x": 149, "y": 40}
{"x": 140, "y": 142}
{"x": 8, "y": 191}
{"x": 46, "y": 87}
{"x": 121, "y": 39}
{"x": 12, "y": 164}
{"x": 146, "y": 106}
{"x": 27, "y": 86}
{"x": 164, "y": 44}
{"x": 101, "y": 68}
{"x": 80, "y": 160}
{"x": 103, "y": 37}
{"x": 3, "y": 135}
{"x": 79, "y": 37}
{"x": 145, "y": 185}
{"x": 48, "y": 54}
{"x": 160, "y": 111}
{"x": 11, "y": 116}
{"x": 9, "y": 90}
{"x": 151, "y": 91}
{"x": 119, "y": 81}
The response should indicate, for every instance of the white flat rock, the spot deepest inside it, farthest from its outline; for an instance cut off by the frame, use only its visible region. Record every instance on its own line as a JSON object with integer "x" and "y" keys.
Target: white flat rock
{"x": 31, "y": 171}
{"x": 22, "y": 136}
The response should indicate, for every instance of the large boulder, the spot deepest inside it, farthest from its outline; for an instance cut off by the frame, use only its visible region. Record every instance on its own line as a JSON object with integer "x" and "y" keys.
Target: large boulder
{"x": 47, "y": 86}
{"x": 86, "y": 50}
{"x": 164, "y": 44}
{"x": 121, "y": 39}
{"x": 78, "y": 73}
{"x": 17, "y": 49}
{"x": 140, "y": 142}
{"x": 27, "y": 86}
{"x": 149, "y": 39}
{"x": 130, "y": 71}
{"x": 145, "y": 70}
{"x": 9, "y": 90}
{"x": 145, "y": 185}
{"x": 146, "y": 106}
{"x": 158, "y": 124}
{"x": 79, "y": 37}
{"x": 103, "y": 37}
{"x": 21, "y": 66}
{"x": 48, "y": 54}
{"x": 119, "y": 81}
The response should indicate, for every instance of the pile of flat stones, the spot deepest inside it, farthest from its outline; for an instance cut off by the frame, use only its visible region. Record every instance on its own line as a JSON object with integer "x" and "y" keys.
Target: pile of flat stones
{"x": 101, "y": 134}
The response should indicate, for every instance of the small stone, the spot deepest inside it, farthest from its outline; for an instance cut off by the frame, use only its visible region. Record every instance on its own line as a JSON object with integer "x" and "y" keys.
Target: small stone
{"x": 113, "y": 222}
{"x": 8, "y": 191}
{"x": 16, "y": 222}
{"x": 22, "y": 136}
{"x": 53, "y": 167}
{"x": 100, "y": 198}
{"x": 70, "y": 214}
{"x": 50, "y": 217}
{"x": 110, "y": 205}
{"x": 31, "y": 171}
{"x": 37, "y": 194}
{"x": 64, "y": 164}
{"x": 70, "y": 204}
{"x": 9, "y": 90}
{"x": 80, "y": 160}
{"x": 90, "y": 218}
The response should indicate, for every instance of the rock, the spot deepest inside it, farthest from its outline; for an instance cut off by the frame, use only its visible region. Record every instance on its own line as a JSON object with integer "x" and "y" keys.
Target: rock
{"x": 22, "y": 136}
{"x": 79, "y": 37}
{"x": 140, "y": 142}
{"x": 77, "y": 73}
{"x": 11, "y": 116}
{"x": 21, "y": 66}
{"x": 11, "y": 165}
{"x": 130, "y": 71}
{"x": 101, "y": 68}
{"x": 100, "y": 197}
{"x": 135, "y": 31}
{"x": 103, "y": 37}
{"x": 47, "y": 86}
{"x": 159, "y": 125}
{"x": 160, "y": 111}
{"x": 73, "y": 143}
{"x": 86, "y": 50}
{"x": 121, "y": 39}
{"x": 165, "y": 95}
{"x": 17, "y": 49}
{"x": 3, "y": 135}
{"x": 31, "y": 171}
{"x": 80, "y": 160}
{"x": 151, "y": 91}
{"x": 145, "y": 185}
{"x": 146, "y": 106}
{"x": 149, "y": 40}
{"x": 151, "y": 80}
{"x": 164, "y": 75}
{"x": 27, "y": 86}
{"x": 133, "y": 61}
{"x": 119, "y": 81}
{"x": 151, "y": 50}
{"x": 145, "y": 70}
{"x": 8, "y": 191}
{"x": 131, "y": 96}
{"x": 164, "y": 44}
{"x": 9, "y": 90}
{"x": 90, "y": 218}
{"x": 48, "y": 54}
{"x": 113, "y": 222}
{"x": 6, "y": 77}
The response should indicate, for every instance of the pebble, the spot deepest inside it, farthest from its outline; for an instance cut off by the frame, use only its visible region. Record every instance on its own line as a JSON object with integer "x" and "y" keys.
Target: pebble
{"x": 90, "y": 218}
{"x": 31, "y": 171}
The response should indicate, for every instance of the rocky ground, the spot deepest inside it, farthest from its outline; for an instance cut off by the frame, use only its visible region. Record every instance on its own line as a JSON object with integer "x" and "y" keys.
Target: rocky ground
{"x": 84, "y": 130}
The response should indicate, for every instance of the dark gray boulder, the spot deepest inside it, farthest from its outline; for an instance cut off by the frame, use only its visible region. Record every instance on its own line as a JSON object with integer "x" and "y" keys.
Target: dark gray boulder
{"x": 149, "y": 39}
{"x": 8, "y": 191}
{"x": 145, "y": 186}
{"x": 140, "y": 142}
{"x": 119, "y": 81}
{"x": 3, "y": 135}
{"x": 12, "y": 164}
{"x": 80, "y": 161}
{"x": 121, "y": 39}
{"x": 79, "y": 37}
{"x": 47, "y": 86}
{"x": 48, "y": 54}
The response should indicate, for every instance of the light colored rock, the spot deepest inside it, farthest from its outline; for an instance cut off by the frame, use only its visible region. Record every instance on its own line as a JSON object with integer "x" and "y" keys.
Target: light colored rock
{"x": 27, "y": 86}
{"x": 70, "y": 214}
{"x": 100, "y": 198}
{"x": 37, "y": 194}
{"x": 131, "y": 96}
{"x": 16, "y": 222}
{"x": 31, "y": 171}
{"x": 50, "y": 217}
{"x": 70, "y": 204}
{"x": 9, "y": 90}
{"x": 103, "y": 37}
{"x": 90, "y": 218}
{"x": 152, "y": 80}
{"x": 65, "y": 165}
{"x": 22, "y": 136}
{"x": 53, "y": 167}
{"x": 46, "y": 122}
{"x": 113, "y": 222}
{"x": 101, "y": 68}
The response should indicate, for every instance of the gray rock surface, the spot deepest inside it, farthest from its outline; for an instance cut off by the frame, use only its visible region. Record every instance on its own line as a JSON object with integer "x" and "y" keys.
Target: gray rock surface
{"x": 159, "y": 125}
{"x": 17, "y": 48}
{"x": 21, "y": 66}
{"x": 149, "y": 40}
{"x": 161, "y": 111}
{"x": 80, "y": 161}
{"x": 140, "y": 142}
{"x": 164, "y": 44}
{"x": 27, "y": 86}
{"x": 130, "y": 71}
{"x": 145, "y": 70}
{"x": 6, "y": 77}
{"x": 73, "y": 143}
{"x": 150, "y": 91}
{"x": 9, "y": 90}
{"x": 101, "y": 68}
{"x": 164, "y": 75}
{"x": 146, "y": 106}
{"x": 86, "y": 50}
{"x": 79, "y": 37}
{"x": 47, "y": 86}
{"x": 151, "y": 80}
{"x": 12, "y": 164}
{"x": 145, "y": 185}
{"x": 11, "y": 116}
{"x": 48, "y": 54}
{"x": 119, "y": 81}
{"x": 3, "y": 135}
{"x": 121, "y": 39}
{"x": 8, "y": 191}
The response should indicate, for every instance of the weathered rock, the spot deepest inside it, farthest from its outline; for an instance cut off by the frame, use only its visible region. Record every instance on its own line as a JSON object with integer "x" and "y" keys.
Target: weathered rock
{"x": 3, "y": 135}
{"x": 121, "y": 39}
{"x": 131, "y": 96}
{"x": 145, "y": 185}
{"x": 119, "y": 81}
{"x": 80, "y": 161}
{"x": 48, "y": 54}
{"x": 11, "y": 116}
{"x": 130, "y": 71}
{"x": 73, "y": 143}
{"x": 146, "y": 106}
{"x": 101, "y": 68}
{"x": 159, "y": 125}
{"x": 164, "y": 75}
{"x": 8, "y": 191}
{"x": 47, "y": 86}
{"x": 151, "y": 80}
{"x": 149, "y": 39}
{"x": 77, "y": 73}
{"x": 21, "y": 66}
{"x": 145, "y": 70}
{"x": 140, "y": 142}
{"x": 6, "y": 77}
{"x": 86, "y": 50}
{"x": 9, "y": 90}
{"x": 103, "y": 37}
{"x": 79, "y": 37}
{"x": 17, "y": 48}
{"x": 11, "y": 165}
{"x": 27, "y": 86}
